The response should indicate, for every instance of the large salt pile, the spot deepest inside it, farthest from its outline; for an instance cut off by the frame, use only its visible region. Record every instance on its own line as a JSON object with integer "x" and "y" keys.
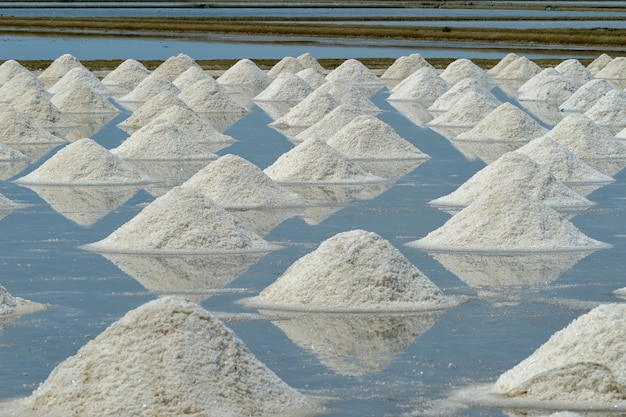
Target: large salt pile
{"x": 163, "y": 141}
{"x": 354, "y": 72}
{"x": 309, "y": 62}
{"x": 151, "y": 109}
{"x": 81, "y": 99}
{"x": 614, "y": 70}
{"x": 586, "y": 96}
{"x": 521, "y": 68}
{"x": 448, "y": 99}
{"x": 574, "y": 71}
{"x": 84, "y": 162}
{"x": 330, "y": 124}
{"x": 503, "y": 63}
{"x": 149, "y": 87}
{"x": 461, "y": 69}
{"x": 582, "y": 363}
{"x": 206, "y": 96}
{"x": 346, "y": 93}
{"x": 599, "y": 63}
{"x": 234, "y": 183}
{"x": 353, "y": 271}
{"x": 168, "y": 357}
{"x": 40, "y": 110}
{"x": 507, "y": 219}
{"x": 470, "y": 109}
{"x": 520, "y": 170}
{"x": 192, "y": 75}
{"x": 126, "y": 76}
{"x": 404, "y": 66}
{"x": 313, "y": 161}
{"x": 287, "y": 86}
{"x": 19, "y": 84}
{"x": 16, "y": 128}
{"x": 312, "y": 77}
{"x": 10, "y": 68}
{"x": 288, "y": 64}
{"x": 182, "y": 221}
{"x": 505, "y": 123}
{"x": 79, "y": 76}
{"x": 610, "y": 111}
{"x": 309, "y": 111}
{"x": 548, "y": 85}
{"x": 424, "y": 85}
{"x": 58, "y": 68}
{"x": 174, "y": 66}
{"x": 195, "y": 126}
{"x": 245, "y": 73}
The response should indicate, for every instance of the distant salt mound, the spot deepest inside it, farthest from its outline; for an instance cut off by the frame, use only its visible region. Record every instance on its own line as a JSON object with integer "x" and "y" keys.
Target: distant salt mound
{"x": 58, "y": 68}
{"x": 84, "y": 162}
{"x": 288, "y": 64}
{"x": 449, "y": 98}
{"x": 586, "y": 96}
{"x": 174, "y": 66}
{"x": 286, "y": 86}
{"x": 574, "y": 71}
{"x": 310, "y": 110}
{"x": 521, "y": 68}
{"x": 470, "y": 109}
{"x": 506, "y": 219}
{"x": 163, "y": 141}
{"x": 151, "y": 109}
{"x": 40, "y": 110}
{"x": 367, "y": 137}
{"x": 330, "y": 124}
{"x": 21, "y": 83}
{"x": 503, "y": 63}
{"x": 313, "y": 161}
{"x": 346, "y": 93}
{"x": 312, "y": 77}
{"x": 195, "y": 126}
{"x": 614, "y": 70}
{"x": 461, "y": 69}
{"x": 126, "y": 76}
{"x": 149, "y": 87}
{"x": 520, "y": 170}
{"x": 16, "y": 128}
{"x": 82, "y": 76}
{"x": 245, "y": 73}
{"x": 205, "y": 96}
{"x": 548, "y": 85}
{"x": 404, "y": 66}
{"x": 424, "y": 85}
{"x": 505, "y": 123}
{"x": 353, "y": 271}
{"x": 182, "y": 221}
{"x": 610, "y": 111}
{"x": 354, "y": 72}
{"x": 82, "y": 99}
{"x": 582, "y": 363}
{"x": 10, "y": 68}
{"x": 190, "y": 77}
{"x": 599, "y": 63}
{"x": 308, "y": 61}
{"x": 209, "y": 370}
{"x": 234, "y": 183}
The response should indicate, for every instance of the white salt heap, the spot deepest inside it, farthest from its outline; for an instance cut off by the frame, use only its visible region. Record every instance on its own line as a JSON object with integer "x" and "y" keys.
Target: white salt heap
{"x": 346, "y": 93}
{"x": 151, "y": 109}
{"x": 82, "y": 99}
{"x": 84, "y": 162}
{"x": 10, "y": 68}
{"x": 330, "y": 124}
{"x": 286, "y": 87}
{"x": 574, "y": 71}
{"x": 353, "y": 271}
{"x": 234, "y": 183}
{"x": 520, "y": 170}
{"x": 470, "y": 109}
{"x": 149, "y": 87}
{"x": 610, "y": 111}
{"x": 614, "y": 70}
{"x": 16, "y": 128}
{"x": 586, "y": 96}
{"x": 506, "y": 219}
{"x": 190, "y": 76}
{"x": 59, "y": 67}
{"x": 182, "y": 221}
{"x": 245, "y": 73}
{"x": 548, "y": 85}
{"x": 520, "y": 69}
{"x": 174, "y": 66}
{"x": 313, "y": 161}
{"x": 461, "y": 69}
{"x": 164, "y": 141}
{"x": 505, "y": 123}
{"x": 313, "y": 78}
{"x": 79, "y": 76}
{"x": 40, "y": 110}
{"x": 287, "y": 64}
{"x": 354, "y": 72}
{"x": 599, "y": 63}
{"x": 126, "y": 76}
{"x": 424, "y": 85}
{"x": 19, "y": 84}
{"x": 168, "y": 357}
{"x": 582, "y": 363}
{"x": 309, "y": 111}
{"x": 308, "y": 61}
{"x": 206, "y": 96}
{"x": 448, "y": 99}
{"x": 195, "y": 126}
{"x": 503, "y": 63}
{"x": 404, "y": 66}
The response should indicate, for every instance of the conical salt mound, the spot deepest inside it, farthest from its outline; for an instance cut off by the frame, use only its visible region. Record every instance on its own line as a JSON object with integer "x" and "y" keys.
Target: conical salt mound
{"x": 58, "y": 68}
{"x": 507, "y": 219}
{"x": 21, "y": 83}
{"x": 195, "y": 126}
{"x": 126, "y": 76}
{"x": 209, "y": 370}
{"x": 330, "y": 124}
{"x": 163, "y": 141}
{"x": 505, "y": 123}
{"x": 599, "y": 63}
{"x": 182, "y": 221}
{"x": 151, "y": 109}
{"x": 521, "y": 68}
{"x": 310, "y": 110}
{"x": 520, "y": 170}
{"x": 346, "y": 93}
{"x": 548, "y": 85}
{"x": 424, "y": 85}
{"x": 470, "y": 109}
{"x": 308, "y": 61}
{"x": 16, "y": 128}
{"x": 313, "y": 78}
{"x": 205, "y": 96}
{"x": 449, "y": 98}
{"x": 149, "y": 87}
{"x": 10, "y": 68}
{"x": 82, "y": 100}
{"x": 245, "y": 73}
{"x": 404, "y": 66}
{"x": 40, "y": 110}
{"x": 191, "y": 76}
{"x": 353, "y": 271}
{"x": 84, "y": 162}
{"x": 503, "y": 63}
{"x": 76, "y": 76}
{"x": 367, "y": 137}
{"x": 610, "y": 111}
{"x": 234, "y": 183}
{"x": 582, "y": 363}
{"x": 354, "y": 72}
{"x": 286, "y": 87}
{"x": 287, "y": 64}
{"x": 313, "y": 161}
{"x": 614, "y": 70}
{"x": 174, "y": 66}
{"x": 574, "y": 71}
{"x": 586, "y": 96}
{"x": 464, "y": 68}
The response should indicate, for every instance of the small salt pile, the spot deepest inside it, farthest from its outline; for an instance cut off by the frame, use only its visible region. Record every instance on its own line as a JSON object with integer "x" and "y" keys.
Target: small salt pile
{"x": 286, "y": 86}
{"x": 574, "y": 71}
{"x": 310, "y": 110}
{"x": 36, "y": 106}
{"x": 367, "y": 137}
{"x": 195, "y": 126}
{"x": 234, "y": 183}
{"x": 520, "y": 170}
{"x": 10, "y": 68}
{"x": 205, "y": 96}
{"x": 245, "y": 73}
{"x": 76, "y": 76}
{"x": 16, "y": 128}
{"x": 610, "y": 111}
{"x": 313, "y": 161}
{"x": 308, "y": 61}
{"x": 582, "y": 363}
{"x": 448, "y": 99}
{"x": 58, "y": 68}
{"x": 313, "y": 78}
{"x": 599, "y": 63}
{"x": 461, "y": 69}
{"x": 404, "y": 66}
{"x": 182, "y": 221}
{"x": 149, "y": 87}
{"x": 353, "y": 271}
{"x": 190, "y": 77}
{"x": 162, "y": 140}
{"x": 506, "y": 219}
{"x": 503, "y": 63}
{"x": 287, "y": 64}
{"x": 520, "y": 69}
{"x": 174, "y": 66}
{"x": 330, "y": 124}
{"x": 168, "y": 357}
{"x": 548, "y": 85}
{"x": 82, "y": 99}
{"x": 126, "y": 76}
{"x": 353, "y": 72}
{"x": 84, "y": 162}
{"x": 470, "y": 109}
{"x": 586, "y": 96}
{"x": 424, "y": 85}
{"x": 21, "y": 83}
{"x": 346, "y": 93}
{"x": 614, "y": 70}
{"x": 151, "y": 109}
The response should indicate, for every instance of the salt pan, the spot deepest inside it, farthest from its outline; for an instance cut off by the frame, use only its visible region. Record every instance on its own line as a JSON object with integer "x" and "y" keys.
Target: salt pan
{"x": 574, "y": 71}
{"x": 354, "y": 72}
{"x": 16, "y": 128}
{"x": 149, "y": 87}
{"x": 174, "y": 66}
{"x": 464, "y": 68}
{"x": 330, "y": 124}
{"x": 205, "y": 96}
{"x": 286, "y": 87}
{"x": 548, "y": 85}
{"x": 126, "y": 76}
{"x": 470, "y": 109}
{"x": 586, "y": 96}
{"x": 610, "y": 111}
{"x": 424, "y": 85}
{"x": 245, "y": 73}
{"x": 287, "y": 64}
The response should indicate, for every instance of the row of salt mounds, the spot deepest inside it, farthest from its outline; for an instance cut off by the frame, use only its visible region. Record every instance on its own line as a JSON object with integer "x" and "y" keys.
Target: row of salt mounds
{"x": 586, "y": 96}
{"x": 315, "y": 162}
{"x": 403, "y": 67}
{"x": 208, "y": 370}
{"x": 84, "y": 162}
{"x": 18, "y": 129}
{"x": 12, "y": 306}
{"x": 355, "y": 271}
{"x": 548, "y": 85}
{"x": 330, "y": 124}
{"x": 125, "y": 77}
{"x": 234, "y": 183}
{"x": 580, "y": 365}
{"x": 182, "y": 221}
{"x": 464, "y": 68}
{"x": 507, "y": 219}
{"x": 424, "y": 85}
{"x": 520, "y": 170}
{"x": 610, "y": 111}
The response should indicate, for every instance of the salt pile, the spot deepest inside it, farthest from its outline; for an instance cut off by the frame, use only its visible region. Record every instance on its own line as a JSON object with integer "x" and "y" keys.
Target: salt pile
{"x": 174, "y": 66}
{"x": 614, "y": 70}
{"x": 81, "y": 99}
{"x": 313, "y": 78}
{"x": 164, "y": 141}
{"x": 520, "y": 170}
{"x": 346, "y": 93}
{"x": 171, "y": 357}
{"x": 424, "y": 85}
{"x": 586, "y": 96}
{"x": 79, "y": 76}
{"x": 151, "y": 109}
{"x": 353, "y": 271}
{"x": 610, "y": 111}
{"x": 126, "y": 76}
{"x": 286, "y": 87}
{"x": 16, "y": 128}
{"x": 313, "y": 161}
{"x": 582, "y": 363}
{"x": 12, "y": 306}
{"x": 19, "y": 84}
{"x": 149, "y": 87}
{"x": 40, "y": 110}
{"x": 506, "y": 123}
{"x": 330, "y": 124}
{"x": 461, "y": 69}
{"x": 10, "y": 68}
{"x": 503, "y": 63}
{"x": 367, "y": 137}
{"x": 548, "y": 85}
{"x": 506, "y": 219}
{"x": 310, "y": 110}
{"x": 353, "y": 72}
{"x": 404, "y": 66}
{"x": 234, "y": 183}
{"x": 308, "y": 61}
{"x": 448, "y": 99}
{"x": 287, "y": 64}
{"x": 190, "y": 77}
{"x": 245, "y": 73}
{"x": 182, "y": 221}
{"x": 195, "y": 126}
{"x": 574, "y": 71}
{"x": 58, "y": 68}
{"x": 599, "y": 63}
{"x": 206, "y": 96}
{"x": 83, "y": 162}
{"x": 521, "y": 69}
{"x": 470, "y": 109}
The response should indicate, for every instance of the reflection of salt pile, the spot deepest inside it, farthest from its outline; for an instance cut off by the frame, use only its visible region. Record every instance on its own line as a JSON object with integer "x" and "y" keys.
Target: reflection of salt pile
{"x": 287, "y": 64}
{"x": 286, "y": 87}
{"x": 328, "y": 125}
{"x": 182, "y": 221}
{"x": 467, "y": 111}
{"x": 151, "y": 109}
{"x": 84, "y": 162}
{"x": 353, "y": 72}
{"x": 245, "y": 73}
{"x": 174, "y": 66}
{"x": 353, "y": 271}
{"x": 58, "y": 68}
{"x": 40, "y": 110}
{"x": 79, "y": 76}
{"x": 209, "y": 370}
{"x": 149, "y": 87}
{"x": 586, "y": 96}
{"x": 548, "y": 85}
{"x": 424, "y": 85}
{"x": 198, "y": 128}
{"x": 582, "y": 363}
{"x": 574, "y": 71}
{"x": 126, "y": 76}
{"x": 464, "y": 68}
{"x": 610, "y": 111}
{"x": 207, "y": 96}
{"x": 507, "y": 219}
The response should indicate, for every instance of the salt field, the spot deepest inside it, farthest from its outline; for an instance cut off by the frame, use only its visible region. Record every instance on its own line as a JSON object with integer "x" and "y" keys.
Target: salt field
{"x": 347, "y": 247}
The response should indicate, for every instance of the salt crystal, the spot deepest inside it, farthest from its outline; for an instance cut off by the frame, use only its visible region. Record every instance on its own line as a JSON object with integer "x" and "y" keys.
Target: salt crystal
{"x": 354, "y": 72}
{"x": 286, "y": 86}
{"x": 308, "y": 61}
{"x": 126, "y": 76}
{"x": 79, "y": 75}
{"x": 149, "y": 87}
{"x": 599, "y": 63}
{"x": 470, "y": 109}
{"x": 464, "y": 68}
{"x": 151, "y": 109}
{"x": 287, "y": 64}
{"x": 520, "y": 69}
{"x": 610, "y": 111}
{"x": 330, "y": 124}
{"x": 205, "y": 96}
{"x": 404, "y": 66}
{"x": 586, "y": 96}
{"x": 574, "y": 71}
{"x": 59, "y": 67}
{"x": 313, "y": 78}
{"x": 245, "y": 73}
{"x": 548, "y": 85}
{"x": 614, "y": 70}
{"x": 424, "y": 85}
{"x": 174, "y": 66}
{"x": 16, "y": 128}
